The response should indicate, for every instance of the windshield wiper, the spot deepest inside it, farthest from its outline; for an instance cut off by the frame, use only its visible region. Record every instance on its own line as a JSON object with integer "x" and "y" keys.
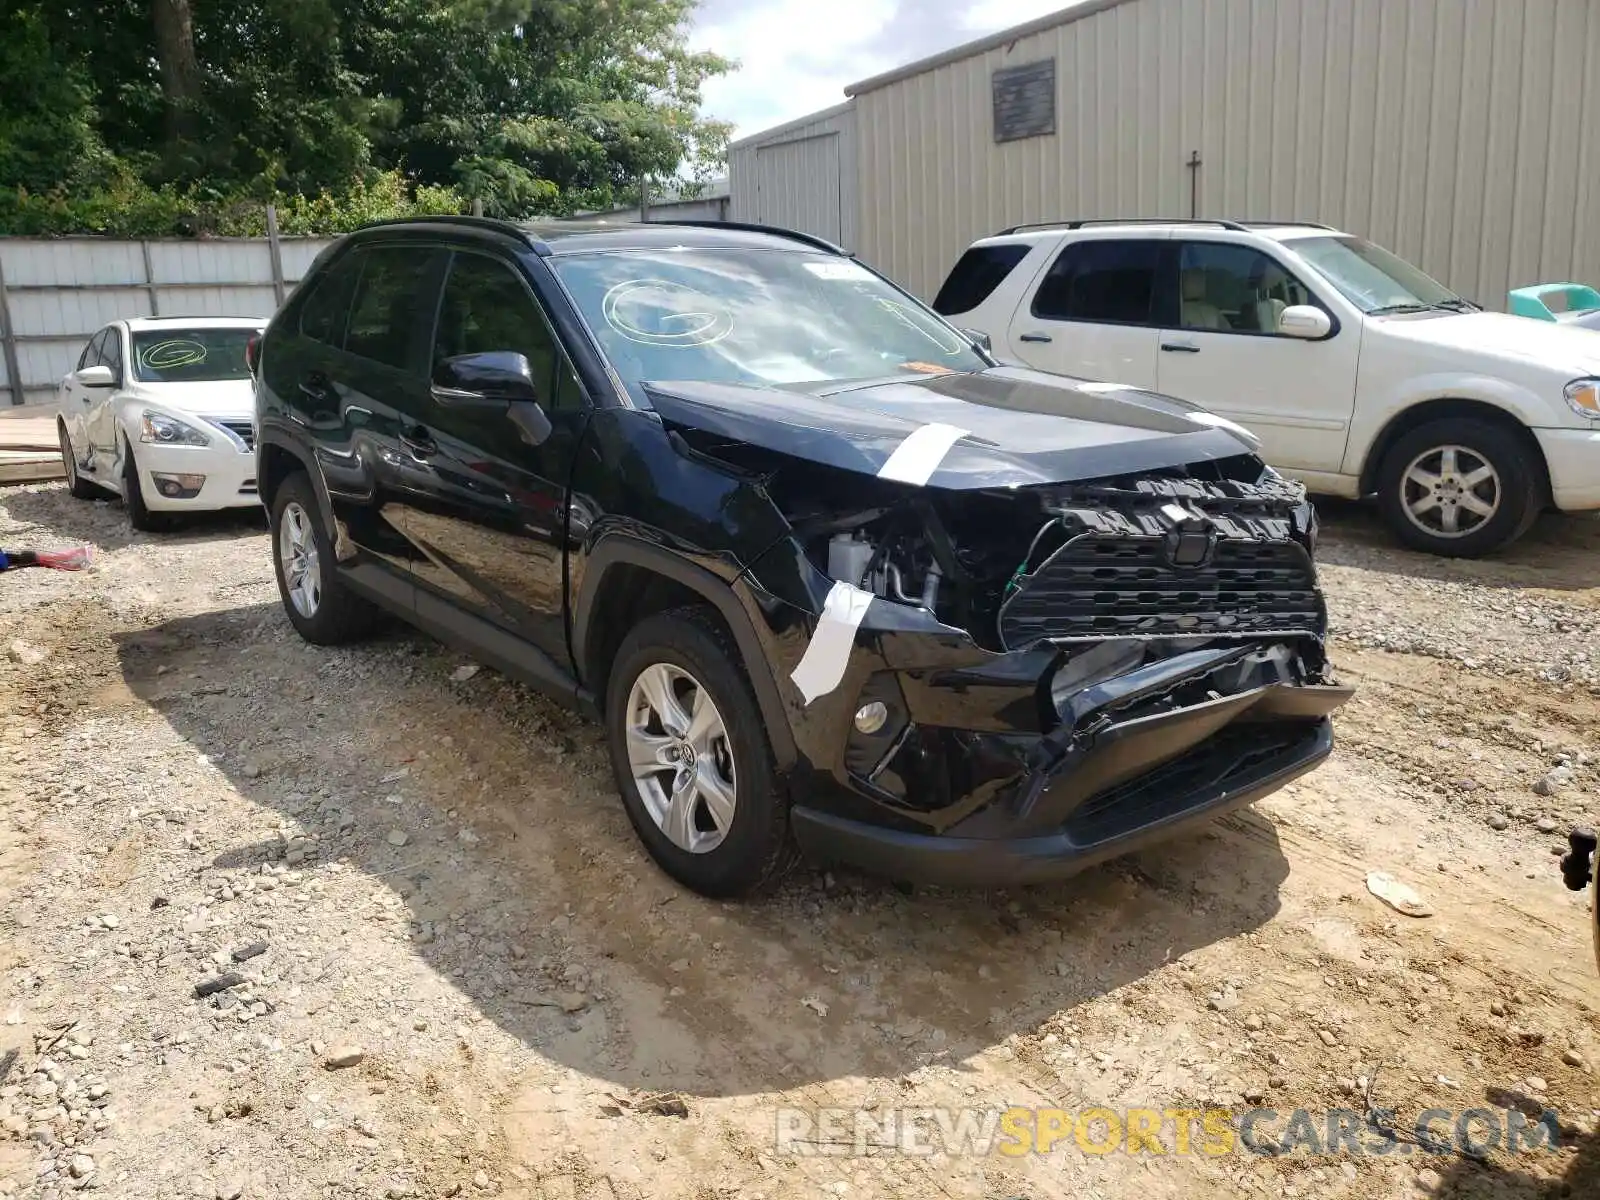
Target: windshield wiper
{"x": 1386, "y": 309}
{"x": 1459, "y": 304}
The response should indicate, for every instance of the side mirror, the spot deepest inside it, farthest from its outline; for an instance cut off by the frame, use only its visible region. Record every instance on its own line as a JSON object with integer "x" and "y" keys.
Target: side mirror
{"x": 980, "y": 339}
{"x": 495, "y": 379}
{"x": 97, "y": 376}
{"x": 1305, "y": 321}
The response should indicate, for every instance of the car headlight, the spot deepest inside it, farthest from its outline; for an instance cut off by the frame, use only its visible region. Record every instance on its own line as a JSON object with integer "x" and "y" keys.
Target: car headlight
{"x": 169, "y": 431}
{"x": 1583, "y": 397}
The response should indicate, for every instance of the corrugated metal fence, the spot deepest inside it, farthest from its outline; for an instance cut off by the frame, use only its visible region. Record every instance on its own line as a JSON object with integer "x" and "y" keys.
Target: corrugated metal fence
{"x": 55, "y": 293}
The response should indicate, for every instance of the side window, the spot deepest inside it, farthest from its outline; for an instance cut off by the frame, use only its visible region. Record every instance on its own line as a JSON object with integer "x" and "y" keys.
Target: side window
{"x": 1103, "y": 281}
{"x": 976, "y": 275}
{"x": 91, "y": 353}
{"x": 327, "y": 307}
{"x": 111, "y": 352}
{"x": 1232, "y": 288}
{"x": 486, "y": 307}
{"x": 389, "y": 298}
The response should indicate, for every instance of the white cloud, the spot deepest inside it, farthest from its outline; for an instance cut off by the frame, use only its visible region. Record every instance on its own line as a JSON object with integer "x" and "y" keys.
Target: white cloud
{"x": 797, "y": 56}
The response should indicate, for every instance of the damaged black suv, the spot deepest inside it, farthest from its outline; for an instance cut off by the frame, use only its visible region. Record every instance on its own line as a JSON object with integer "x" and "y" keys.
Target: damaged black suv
{"x": 834, "y": 579}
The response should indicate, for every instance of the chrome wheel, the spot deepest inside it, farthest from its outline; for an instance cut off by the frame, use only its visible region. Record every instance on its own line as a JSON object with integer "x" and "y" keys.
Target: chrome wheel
{"x": 681, "y": 760}
{"x": 1450, "y": 491}
{"x": 297, "y": 553}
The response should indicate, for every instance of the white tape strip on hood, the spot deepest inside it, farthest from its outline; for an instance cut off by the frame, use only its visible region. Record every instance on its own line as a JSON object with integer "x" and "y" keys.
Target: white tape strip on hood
{"x": 918, "y": 457}
{"x": 822, "y": 665}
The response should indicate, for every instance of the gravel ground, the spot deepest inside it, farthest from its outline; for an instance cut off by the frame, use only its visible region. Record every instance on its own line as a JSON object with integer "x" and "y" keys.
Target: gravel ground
{"x": 289, "y": 922}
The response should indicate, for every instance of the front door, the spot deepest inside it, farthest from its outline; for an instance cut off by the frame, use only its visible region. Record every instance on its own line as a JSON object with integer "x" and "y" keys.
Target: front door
{"x": 489, "y": 520}
{"x": 1094, "y": 313}
{"x": 104, "y": 432}
{"x": 77, "y": 403}
{"x": 1224, "y": 353}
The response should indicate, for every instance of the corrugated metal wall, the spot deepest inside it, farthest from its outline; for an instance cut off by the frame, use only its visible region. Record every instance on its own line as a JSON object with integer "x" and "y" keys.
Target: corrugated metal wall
{"x": 801, "y": 175}
{"x": 57, "y": 292}
{"x": 1452, "y": 131}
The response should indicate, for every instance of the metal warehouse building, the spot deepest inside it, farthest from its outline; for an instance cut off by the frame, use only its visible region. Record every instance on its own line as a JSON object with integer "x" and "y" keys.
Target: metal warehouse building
{"x": 1451, "y": 131}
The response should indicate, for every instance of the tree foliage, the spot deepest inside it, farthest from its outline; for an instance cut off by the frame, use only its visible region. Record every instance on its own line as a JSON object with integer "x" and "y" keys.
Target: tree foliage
{"x": 199, "y": 107}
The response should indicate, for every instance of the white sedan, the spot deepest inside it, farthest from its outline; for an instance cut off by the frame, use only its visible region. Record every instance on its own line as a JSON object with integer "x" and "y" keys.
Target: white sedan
{"x": 160, "y": 411}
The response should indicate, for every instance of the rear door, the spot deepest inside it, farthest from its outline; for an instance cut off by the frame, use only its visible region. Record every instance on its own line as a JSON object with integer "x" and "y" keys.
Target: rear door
{"x": 1096, "y": 311}
{"x": 1224, "y": 353}
{"x": 489, "y": 516}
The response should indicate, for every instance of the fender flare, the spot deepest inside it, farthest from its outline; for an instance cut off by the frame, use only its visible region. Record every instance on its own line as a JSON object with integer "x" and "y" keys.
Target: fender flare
{"x": 619, "y": 549}
{"x": 269, "y": 436}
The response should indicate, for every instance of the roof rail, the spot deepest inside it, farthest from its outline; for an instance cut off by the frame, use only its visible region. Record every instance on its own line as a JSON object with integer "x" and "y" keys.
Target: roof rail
{"x": 752, "y": 227}
{"x": 1290, "y": 224}
{"x": 493, "y": 223}
{"x": 1079, "y": 224}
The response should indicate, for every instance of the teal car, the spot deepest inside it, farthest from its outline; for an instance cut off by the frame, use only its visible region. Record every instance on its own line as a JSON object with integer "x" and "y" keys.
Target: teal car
{"x": 1566, "y": 303}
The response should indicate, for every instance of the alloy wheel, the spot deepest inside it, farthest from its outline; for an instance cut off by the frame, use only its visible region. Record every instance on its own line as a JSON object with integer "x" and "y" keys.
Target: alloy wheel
{"x": 681, "y": 759}
{"x": 302, "y": 567}
{"x": 1450, "y": 491}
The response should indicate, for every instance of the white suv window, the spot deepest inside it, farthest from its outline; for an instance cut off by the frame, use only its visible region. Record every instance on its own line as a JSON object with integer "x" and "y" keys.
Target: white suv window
{"x": 1226, "y": 287}
{"x": 1102, "y": 281}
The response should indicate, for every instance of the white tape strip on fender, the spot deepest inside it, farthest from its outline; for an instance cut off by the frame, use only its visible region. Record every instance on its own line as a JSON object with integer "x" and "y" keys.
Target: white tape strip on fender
{"x": 918, "y": 457}
{"x": 822, "y": 665}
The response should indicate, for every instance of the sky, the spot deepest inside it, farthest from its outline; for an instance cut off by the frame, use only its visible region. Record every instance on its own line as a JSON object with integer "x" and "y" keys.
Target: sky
{"x": 796, "y": 56}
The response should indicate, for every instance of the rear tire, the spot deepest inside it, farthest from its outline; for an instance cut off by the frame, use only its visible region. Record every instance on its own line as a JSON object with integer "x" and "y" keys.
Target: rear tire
{"x": 77, "y": 486}
{"x": 740, "y": 845}
{"x": 320, "y": 606}
{"x": 139, "y": 514}
{"x": 1475, "y": 475}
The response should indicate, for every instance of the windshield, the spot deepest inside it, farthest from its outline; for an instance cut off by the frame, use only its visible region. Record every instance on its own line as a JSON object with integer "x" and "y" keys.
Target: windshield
{"x": 1371, "y": 277}
{"x": 755, "y": 316}
{"x": 190, "y": 355}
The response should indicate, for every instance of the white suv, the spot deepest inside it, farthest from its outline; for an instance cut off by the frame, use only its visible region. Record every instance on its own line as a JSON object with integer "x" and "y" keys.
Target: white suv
{"x": 1356, "y": 371}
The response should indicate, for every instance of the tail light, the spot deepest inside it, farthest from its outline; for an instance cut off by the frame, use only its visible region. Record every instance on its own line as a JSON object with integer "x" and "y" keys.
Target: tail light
{"x": 252, "y": 352}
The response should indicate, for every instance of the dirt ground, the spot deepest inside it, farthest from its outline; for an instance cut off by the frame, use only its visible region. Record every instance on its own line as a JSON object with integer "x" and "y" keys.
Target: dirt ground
{"x": 451, "y": 901}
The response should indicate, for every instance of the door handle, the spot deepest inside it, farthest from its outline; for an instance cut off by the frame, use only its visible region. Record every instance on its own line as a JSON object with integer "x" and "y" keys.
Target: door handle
{"x": 1034, "y": 337}
{"x": 1180, "y": 347}
{"x": 419, "y": 442}
{"x": 317, "y": 386}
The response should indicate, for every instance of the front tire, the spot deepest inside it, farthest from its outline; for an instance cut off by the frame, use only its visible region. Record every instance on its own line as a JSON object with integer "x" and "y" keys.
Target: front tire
{"x": 139, "y": 514}
{"x": 692, "y": 760}
{"x": 319, "y": 605}
{"x": 1460, "y": 487}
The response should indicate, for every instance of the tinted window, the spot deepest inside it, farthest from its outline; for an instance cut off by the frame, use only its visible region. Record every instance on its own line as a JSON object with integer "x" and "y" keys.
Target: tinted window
{"x": 322, "y": 316}
{"x": 388, "y": 301}
{"x": 1101, "y": 281}
{"x": 111, "y": 351}
{"x": 190, "y": 355}
{"x": 91, "y": 353}
{"x": 976, "y": 275}
{"x": 1234, "y": 288}
{"x": 486, "y": 307}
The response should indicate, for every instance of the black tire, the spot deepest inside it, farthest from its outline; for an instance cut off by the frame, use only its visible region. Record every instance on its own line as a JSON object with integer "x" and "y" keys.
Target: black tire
{"x": 757, "y": 849}
{"x": 139, "y": 515}
{"x": 79, "y": 487}
{"x": 1518, "y": 486}
{"x": 338, "y": 615}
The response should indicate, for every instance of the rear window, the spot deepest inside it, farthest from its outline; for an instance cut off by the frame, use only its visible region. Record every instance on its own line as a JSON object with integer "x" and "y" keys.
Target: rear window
{"x": 190, "y": 355}
{"x": 976, "y": 275}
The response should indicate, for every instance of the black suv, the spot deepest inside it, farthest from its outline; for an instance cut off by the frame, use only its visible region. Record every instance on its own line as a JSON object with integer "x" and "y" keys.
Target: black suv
{"x": 833, "y": 578}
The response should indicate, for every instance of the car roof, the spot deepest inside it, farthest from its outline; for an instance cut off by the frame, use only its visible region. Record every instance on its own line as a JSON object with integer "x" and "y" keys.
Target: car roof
{"x": 136, "y": 324}
{"x": 579, "y": 236}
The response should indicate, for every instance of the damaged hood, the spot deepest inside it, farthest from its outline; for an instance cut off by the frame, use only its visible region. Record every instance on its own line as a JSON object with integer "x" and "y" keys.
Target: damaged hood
{"x": 1004, "y": 427}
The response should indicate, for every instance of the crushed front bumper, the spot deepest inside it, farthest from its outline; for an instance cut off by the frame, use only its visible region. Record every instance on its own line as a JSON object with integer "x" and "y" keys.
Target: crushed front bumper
{"x": 1133, "y": 758}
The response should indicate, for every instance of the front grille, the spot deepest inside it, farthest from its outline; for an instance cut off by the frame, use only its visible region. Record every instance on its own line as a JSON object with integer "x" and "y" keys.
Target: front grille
{"x": 244, "y": 429}
{"x": 1229, "y": 758}
{"x": 1098, "y": 587}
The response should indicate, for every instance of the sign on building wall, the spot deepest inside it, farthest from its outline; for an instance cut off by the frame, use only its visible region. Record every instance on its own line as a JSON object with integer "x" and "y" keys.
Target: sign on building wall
{"x": 1024, "y": 100}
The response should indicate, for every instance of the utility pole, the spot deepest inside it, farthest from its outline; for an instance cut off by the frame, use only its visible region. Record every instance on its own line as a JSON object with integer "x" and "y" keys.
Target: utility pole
{"x": 1194, "y": 183}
